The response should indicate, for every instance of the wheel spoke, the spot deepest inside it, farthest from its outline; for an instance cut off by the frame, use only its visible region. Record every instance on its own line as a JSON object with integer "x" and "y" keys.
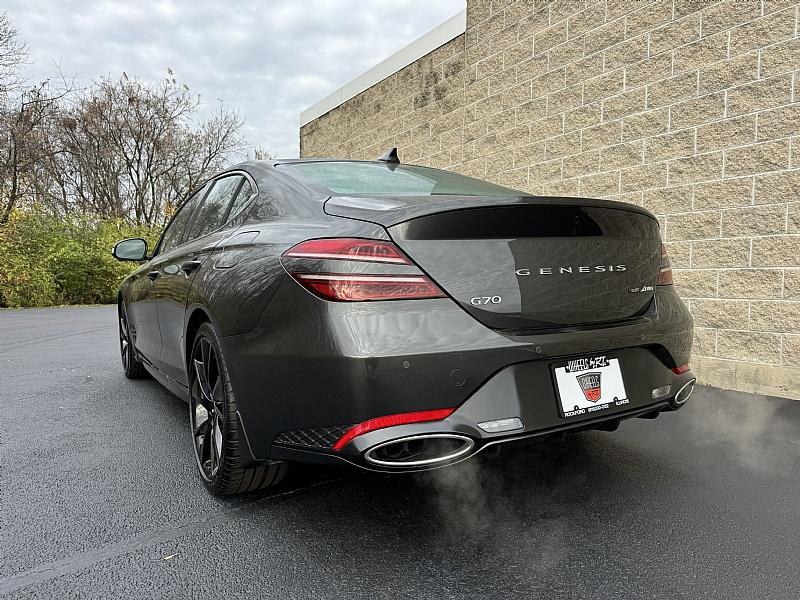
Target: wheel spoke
{"x": 123, "y": 341}
{"x": 217, "y": 439}
{"x": 207, "y": 452}
{"x": 206, "y": 393}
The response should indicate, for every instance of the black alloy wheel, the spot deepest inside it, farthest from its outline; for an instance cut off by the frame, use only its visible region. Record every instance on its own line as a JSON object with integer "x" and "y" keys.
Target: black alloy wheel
{"x": 215, "y": 426}
{"x": 208, "y": 415}
{"x": 133, "y": 367}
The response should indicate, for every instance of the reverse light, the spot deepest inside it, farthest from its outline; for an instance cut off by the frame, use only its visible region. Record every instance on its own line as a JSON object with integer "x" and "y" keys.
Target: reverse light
{"x": 422, "y": 416}
{"x": 665, "y": 269}
{"x": 360, "y": 287}
{"x": 349, "y": 249}
{"x": 680, "y": 370}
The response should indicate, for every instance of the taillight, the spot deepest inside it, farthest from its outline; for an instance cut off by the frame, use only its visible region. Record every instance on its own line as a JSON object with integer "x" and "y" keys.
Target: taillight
{"x": 360, "y": 287}
{"x": 349, "y": 249}
{"x": 665, "y": 269}
{"x": 680, "y": 370}
{"x": 421, "y": 416}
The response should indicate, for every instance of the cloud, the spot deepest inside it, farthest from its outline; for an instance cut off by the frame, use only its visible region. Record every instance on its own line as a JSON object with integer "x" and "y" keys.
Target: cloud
{"x": 270, "y": 59}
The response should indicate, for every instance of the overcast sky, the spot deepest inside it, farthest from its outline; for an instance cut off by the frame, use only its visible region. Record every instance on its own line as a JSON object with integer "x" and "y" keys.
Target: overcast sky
{"x": 270, "y": 59}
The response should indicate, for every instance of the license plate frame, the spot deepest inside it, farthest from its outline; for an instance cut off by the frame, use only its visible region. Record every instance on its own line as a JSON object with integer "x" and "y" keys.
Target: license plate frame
{"x": 578, "y": 381}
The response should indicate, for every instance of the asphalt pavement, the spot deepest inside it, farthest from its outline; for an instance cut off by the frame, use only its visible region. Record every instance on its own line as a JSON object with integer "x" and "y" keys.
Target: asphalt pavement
{"x": 100, "y": 499}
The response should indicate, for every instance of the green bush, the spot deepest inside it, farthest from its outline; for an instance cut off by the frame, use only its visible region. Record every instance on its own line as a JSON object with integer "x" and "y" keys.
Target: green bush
{"x": 46, "y": 260}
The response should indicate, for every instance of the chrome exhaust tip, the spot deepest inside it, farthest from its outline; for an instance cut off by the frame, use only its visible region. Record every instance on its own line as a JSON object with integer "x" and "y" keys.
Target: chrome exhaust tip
{"x": 415, "y": 451}
{"x": 683, "y": 394}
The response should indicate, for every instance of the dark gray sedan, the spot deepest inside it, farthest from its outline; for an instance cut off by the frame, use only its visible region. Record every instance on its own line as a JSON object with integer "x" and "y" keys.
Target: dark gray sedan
{"x": 397, "y": 317}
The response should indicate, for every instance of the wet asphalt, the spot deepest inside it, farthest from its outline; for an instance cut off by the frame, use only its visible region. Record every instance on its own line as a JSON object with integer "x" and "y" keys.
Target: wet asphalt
{"x": 100, "y": 500}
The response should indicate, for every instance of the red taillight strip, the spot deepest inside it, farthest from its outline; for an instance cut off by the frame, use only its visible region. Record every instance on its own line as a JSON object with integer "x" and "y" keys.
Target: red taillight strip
{"x": 363, "y": 278}
{"x": 422, "y": 416}
{"x": 357, "y": 249}
{"x": 680, "y": 370}
{"x": 332, "y": 256}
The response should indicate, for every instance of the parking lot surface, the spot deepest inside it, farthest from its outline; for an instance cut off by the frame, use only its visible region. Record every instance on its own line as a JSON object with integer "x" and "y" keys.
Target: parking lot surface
{"x": 100, "y": 499}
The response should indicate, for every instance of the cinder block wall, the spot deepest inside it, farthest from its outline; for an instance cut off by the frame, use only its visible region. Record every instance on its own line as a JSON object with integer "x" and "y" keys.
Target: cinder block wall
{"x": 689, "y": 108}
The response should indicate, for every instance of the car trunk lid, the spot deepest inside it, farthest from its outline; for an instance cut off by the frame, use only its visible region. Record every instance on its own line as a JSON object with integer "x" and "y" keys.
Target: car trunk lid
{"x": 528, "y": 262}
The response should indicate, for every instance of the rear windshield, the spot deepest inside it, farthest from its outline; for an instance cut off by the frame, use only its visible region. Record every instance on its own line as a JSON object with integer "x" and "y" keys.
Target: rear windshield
{"x": 375, "y": 179}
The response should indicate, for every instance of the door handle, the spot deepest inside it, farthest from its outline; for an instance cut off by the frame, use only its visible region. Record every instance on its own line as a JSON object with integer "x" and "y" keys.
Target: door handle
{"x": 190, "y": 265}
{"x": 152, "y": 275}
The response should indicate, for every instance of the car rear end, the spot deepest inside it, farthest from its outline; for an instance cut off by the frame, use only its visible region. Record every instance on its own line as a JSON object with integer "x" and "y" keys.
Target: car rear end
{"x": 463, "y": 323}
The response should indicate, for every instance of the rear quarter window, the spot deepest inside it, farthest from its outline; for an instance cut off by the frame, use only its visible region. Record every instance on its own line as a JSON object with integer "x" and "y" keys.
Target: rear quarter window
{"x": 213, "y": 211}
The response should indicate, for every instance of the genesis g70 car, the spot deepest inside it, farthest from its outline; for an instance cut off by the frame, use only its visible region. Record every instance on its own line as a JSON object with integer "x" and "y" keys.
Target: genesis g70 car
{"x": 397, "y": 317}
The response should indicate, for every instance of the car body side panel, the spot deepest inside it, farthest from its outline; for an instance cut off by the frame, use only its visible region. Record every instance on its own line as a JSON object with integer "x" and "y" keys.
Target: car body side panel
{"x": 173, "y": 287}
{"x": 140, "y": 296}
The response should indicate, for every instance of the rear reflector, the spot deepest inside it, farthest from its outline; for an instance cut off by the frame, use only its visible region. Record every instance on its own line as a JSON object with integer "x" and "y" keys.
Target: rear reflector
{"x": 665, "y": 271}
{"x": 680, "y": 370}
{"x": 349, "y": 249}
{"x": 363, "y": 288}
{"x": 422, "y": 416}
{"x": 500, "y": 425}
{"x": 661, "y": 391}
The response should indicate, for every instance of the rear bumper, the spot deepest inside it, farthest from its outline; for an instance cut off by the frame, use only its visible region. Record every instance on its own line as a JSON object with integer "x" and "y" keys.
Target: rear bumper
{"x": 301, "y": 383}
{"x": 523, "y": 391}
{"x": 352, "y": 458}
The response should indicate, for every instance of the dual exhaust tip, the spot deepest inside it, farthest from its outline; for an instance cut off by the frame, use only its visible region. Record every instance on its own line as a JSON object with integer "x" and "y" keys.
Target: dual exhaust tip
{"x": 420, "y": 451}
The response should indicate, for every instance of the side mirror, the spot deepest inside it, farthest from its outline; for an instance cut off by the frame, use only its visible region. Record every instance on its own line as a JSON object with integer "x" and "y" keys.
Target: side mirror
{"x": 134, "y": 249}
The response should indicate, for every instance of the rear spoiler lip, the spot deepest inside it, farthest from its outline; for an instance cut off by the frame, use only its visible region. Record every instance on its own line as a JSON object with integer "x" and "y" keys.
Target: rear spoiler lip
{"x": 393, "y": 210}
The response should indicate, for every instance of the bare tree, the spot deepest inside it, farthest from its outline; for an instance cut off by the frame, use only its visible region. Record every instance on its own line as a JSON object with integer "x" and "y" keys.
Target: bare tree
{"x": 26, "y": 125}
{"x": 122, "y": 148}
{"x": 132, "y": 150}
{"x": 204, "y": 150}
{"x": 261, "y": 153}
{"x": 13, "y": 53}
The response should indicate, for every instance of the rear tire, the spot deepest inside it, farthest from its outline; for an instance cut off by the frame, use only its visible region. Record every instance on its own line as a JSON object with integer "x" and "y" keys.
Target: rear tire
{"x": 214, "y": 421}
{"x": 131, "y": 365}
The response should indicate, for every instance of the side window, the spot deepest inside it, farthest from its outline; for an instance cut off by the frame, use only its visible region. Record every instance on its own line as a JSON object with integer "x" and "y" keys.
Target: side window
{"x": 241, "y": 199}
{"x": 178, "y": 227}
{"x": 212, "y": 213}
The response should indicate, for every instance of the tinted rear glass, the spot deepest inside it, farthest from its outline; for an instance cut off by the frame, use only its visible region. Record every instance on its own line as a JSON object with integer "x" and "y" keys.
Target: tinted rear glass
{"x": 374, "y": 179}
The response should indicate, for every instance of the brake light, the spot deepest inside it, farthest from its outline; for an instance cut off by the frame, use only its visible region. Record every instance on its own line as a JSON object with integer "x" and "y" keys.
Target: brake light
{"x": 422, "y": 416}
{"x": 349, "y": 249}
{"x": 680, "y": 370}
{"x": 360, "y": 287}
{"x": 665, "y": 269}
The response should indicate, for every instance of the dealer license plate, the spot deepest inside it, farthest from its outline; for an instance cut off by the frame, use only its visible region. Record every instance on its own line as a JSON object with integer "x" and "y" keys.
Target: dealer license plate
{"x": 588, "y": 385}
